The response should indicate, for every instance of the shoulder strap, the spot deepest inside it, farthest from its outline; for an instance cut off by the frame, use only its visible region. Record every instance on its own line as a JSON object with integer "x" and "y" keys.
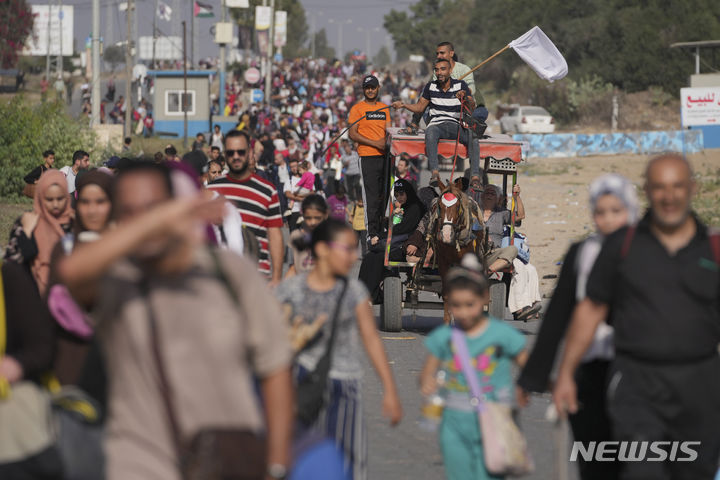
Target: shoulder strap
{"x": 335, "y": 321}
{"x": 629, "y": 234}
{"x": 4, "y": 384}
{"x": 459, "y": 340}
{"x": 165, "y": 389}
{"x": 3, "y": 315}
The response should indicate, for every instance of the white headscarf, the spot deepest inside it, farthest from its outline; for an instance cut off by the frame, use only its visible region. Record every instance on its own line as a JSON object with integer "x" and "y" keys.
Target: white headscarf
{"x": 620, "y": 187}
{"x": 624, "y": 190}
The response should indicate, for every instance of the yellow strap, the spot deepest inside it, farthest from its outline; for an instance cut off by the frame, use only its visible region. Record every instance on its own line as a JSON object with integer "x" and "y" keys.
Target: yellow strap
{"x": 4, "y": 384}
{"x": 2, "y": 314}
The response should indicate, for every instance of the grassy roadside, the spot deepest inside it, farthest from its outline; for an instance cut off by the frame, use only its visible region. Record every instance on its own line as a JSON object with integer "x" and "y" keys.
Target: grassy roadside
{"x": 9, "y": 212}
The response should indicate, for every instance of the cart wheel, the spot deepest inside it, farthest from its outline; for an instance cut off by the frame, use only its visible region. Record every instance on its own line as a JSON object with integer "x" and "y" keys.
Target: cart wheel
{"x": 497, "y": 299}
{"x": 391, "y": 308}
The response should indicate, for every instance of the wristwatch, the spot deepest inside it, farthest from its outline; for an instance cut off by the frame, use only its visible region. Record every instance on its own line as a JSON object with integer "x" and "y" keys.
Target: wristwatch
{"x": 277, "y": 471}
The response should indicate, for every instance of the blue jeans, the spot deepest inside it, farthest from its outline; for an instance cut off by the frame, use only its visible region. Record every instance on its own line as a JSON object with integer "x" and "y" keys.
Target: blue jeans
{"x": 449, "y": 130}
{"x": 481, "y": 113}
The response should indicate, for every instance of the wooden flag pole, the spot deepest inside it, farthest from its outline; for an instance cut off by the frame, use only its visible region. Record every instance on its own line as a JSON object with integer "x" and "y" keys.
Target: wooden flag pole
{"x": 486, "y": 61}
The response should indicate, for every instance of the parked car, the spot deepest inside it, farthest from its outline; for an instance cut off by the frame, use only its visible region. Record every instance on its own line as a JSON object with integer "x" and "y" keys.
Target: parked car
{"x": 527, "y": 119}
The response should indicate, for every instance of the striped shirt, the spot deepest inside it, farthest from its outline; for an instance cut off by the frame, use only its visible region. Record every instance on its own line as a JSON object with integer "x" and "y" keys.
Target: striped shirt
{"x": 257, "y": 201}
{"x": 444, "y": 105}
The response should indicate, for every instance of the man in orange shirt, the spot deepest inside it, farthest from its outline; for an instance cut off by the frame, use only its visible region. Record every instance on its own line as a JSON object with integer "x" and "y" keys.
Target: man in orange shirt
{"x": 369, "y": 133}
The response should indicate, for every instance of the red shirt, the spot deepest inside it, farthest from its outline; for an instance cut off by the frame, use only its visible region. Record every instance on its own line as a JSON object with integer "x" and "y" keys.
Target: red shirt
{"x": 257, "y": 201}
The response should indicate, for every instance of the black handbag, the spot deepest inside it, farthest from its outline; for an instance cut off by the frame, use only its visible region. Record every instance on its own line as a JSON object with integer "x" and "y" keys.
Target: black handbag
{"x": 212, "y": 453}
{"x": 310, "y": 390}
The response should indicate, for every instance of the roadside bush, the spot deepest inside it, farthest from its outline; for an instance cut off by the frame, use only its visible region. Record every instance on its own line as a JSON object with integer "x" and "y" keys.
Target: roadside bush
{"x": 568, "y": 101}
{"x": 26, "y": 131}
{"x": 590, "y": 100}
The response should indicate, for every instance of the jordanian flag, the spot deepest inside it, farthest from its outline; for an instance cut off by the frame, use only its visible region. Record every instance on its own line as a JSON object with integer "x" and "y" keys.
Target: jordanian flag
{"x": 203, "y": 10}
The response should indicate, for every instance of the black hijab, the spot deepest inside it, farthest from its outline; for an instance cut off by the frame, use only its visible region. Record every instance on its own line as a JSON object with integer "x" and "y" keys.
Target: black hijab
{"x": 412, "y": 197}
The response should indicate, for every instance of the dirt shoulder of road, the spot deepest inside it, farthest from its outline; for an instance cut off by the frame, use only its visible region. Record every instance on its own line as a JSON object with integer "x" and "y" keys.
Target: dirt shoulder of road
{"x": 555, "y": 194}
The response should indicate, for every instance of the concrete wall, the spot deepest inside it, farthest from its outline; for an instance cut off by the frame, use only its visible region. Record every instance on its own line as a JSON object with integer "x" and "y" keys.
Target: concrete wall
{"x": 109, "y": 136}
{"x": 580, "y": 145}
{"x": 226, "y": 123}
{"x": 705, "y": 80}
{"x": 202, "y": 97}
{"x": 711, "y": 135}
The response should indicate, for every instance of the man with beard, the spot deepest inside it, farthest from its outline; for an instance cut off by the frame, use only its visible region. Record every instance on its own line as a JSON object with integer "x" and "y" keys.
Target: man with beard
{"x": 257, "y": 201}
{"x": 445, "y": 50}
{"x": 369, "y": 133}
{"x": 657, "y": 283}
{"x": 445, "y": 98}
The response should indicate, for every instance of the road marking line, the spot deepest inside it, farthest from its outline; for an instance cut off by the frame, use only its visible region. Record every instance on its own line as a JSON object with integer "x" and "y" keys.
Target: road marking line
{"x": 398, "y": 338}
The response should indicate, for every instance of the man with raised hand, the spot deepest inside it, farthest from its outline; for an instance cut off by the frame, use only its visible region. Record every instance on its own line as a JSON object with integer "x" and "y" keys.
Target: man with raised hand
{"x": 446, "y": 51}
{"x": 369, "y": 133}
{"x": 445, "y": 97}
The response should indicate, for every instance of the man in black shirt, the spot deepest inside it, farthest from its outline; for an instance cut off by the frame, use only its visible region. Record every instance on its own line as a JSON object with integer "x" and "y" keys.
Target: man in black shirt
{"x": 48, "y": 161}
{"x": 658, "y": 284}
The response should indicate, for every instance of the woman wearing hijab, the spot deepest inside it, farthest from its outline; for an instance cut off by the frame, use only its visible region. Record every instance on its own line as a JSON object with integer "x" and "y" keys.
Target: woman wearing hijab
{"x": 408, "y": 212}
{"x": 614, "y": 204}
{"x": 35, "y": 233}
{"x": 93, "y": 210}
{"x": 93, "y": 216}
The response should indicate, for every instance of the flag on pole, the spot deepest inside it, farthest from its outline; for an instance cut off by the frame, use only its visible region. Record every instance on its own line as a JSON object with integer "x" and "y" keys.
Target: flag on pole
{"x": 164, "y": 12}
{"x": 541, "y": 54}
{"x": 203, "y": 10}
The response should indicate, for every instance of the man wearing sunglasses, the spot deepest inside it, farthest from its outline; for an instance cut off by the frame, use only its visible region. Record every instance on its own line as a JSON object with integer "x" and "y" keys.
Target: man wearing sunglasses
{"x": 369, "y": 133}
{"x": 257, "y": 201}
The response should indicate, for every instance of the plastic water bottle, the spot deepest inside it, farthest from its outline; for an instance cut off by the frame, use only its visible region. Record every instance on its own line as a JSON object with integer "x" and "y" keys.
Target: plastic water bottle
{"x": 397, "y": 216}
{"x": 432, "y": 410}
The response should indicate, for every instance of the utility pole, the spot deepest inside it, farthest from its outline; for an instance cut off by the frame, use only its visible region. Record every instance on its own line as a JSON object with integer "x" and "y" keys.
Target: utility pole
{"x": 154, "y": 36}
{"x": 192, "y": 34}
{"x": 109, "y": 25}
{"x": 185, "y": 95}
{"x": 47, "y": 58}
{"x": 95, "y": 120}
{"x": 135, "y": 37}
{"x": 128, "y": 67}
{"x": 221, "y": 92}
{"x": 271, "y": 41}
{"x": 60, "y": 52}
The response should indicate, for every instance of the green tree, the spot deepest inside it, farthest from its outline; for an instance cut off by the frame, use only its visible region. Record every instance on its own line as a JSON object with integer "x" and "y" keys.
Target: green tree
{"x": 297, "y": 26}
{"x": 114, "y": 55}
{"x": 16, "y": 24}
{"x": 622, "y": 42}
{"x": 322, "y": 48}
{"x": 382, "y": 58}
{"x": 29, "y": 129}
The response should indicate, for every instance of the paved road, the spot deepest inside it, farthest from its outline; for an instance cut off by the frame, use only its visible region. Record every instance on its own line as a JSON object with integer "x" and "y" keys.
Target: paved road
{"x": 408, "y": 452}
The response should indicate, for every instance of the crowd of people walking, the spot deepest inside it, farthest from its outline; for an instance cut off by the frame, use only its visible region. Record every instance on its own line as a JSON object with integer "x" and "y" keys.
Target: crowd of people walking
{"x": 198, "y": 316}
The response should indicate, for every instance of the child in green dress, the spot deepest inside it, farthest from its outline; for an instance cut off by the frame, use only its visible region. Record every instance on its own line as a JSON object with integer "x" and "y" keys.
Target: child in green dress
{"x": 492, "y": 345}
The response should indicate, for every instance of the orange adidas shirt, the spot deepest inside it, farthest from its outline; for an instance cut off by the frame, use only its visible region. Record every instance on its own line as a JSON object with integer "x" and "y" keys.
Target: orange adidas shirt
{"x": 372, "y": 127}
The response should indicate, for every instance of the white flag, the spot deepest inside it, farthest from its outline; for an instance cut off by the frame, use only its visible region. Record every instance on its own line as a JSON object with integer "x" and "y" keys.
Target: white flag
{"x": 541, "y": 54}
{"x": 164, "y": 12}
